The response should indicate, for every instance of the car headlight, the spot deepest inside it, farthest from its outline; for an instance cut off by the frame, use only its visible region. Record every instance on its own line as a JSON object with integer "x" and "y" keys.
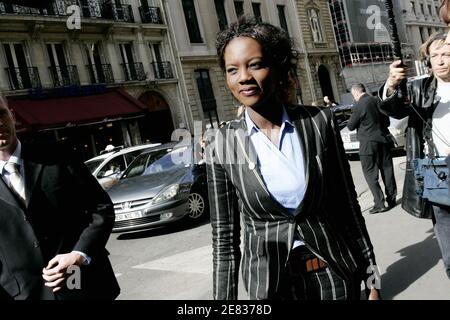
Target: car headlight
{"x": 167, "y": 194}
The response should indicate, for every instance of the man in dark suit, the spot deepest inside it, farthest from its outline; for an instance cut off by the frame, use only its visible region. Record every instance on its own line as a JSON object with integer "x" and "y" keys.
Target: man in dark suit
{"x": 55, "y": 220}
{"x": 375, "y": 144}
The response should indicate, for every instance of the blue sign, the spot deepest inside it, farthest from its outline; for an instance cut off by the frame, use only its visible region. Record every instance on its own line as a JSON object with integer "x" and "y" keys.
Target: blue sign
{"x": 69, "y": 91}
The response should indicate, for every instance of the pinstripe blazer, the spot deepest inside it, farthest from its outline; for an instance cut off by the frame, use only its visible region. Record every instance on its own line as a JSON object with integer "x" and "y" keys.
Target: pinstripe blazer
{"x": 329, "y": 218}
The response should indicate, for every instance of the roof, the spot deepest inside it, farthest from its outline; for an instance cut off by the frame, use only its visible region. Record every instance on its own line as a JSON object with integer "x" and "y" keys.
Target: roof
{"x": 124, "y": 150}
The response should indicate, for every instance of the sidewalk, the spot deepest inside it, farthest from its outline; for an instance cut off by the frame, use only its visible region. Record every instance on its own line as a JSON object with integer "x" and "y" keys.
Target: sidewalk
{"x": 406, "y": 250}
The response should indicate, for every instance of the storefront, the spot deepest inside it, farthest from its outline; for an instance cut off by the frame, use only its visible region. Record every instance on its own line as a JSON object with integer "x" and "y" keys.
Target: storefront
{"x": 89, "y": 122}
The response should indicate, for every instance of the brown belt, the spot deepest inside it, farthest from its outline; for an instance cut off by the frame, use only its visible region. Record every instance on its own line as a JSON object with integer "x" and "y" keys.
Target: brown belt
{"x": 314, "y": 264}
{"x": 303, "y": 260}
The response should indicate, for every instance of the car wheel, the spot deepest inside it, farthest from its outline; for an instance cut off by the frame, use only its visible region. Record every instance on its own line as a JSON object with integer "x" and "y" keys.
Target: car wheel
{"x": 196, "y": 206}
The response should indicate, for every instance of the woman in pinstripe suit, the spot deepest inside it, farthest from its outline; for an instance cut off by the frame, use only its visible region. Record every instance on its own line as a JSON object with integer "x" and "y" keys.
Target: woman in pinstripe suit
{"x": 282, "y": 170}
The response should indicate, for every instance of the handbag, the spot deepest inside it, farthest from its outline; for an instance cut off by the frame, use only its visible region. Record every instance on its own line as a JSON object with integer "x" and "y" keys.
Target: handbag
{"x": 432, "y": 180}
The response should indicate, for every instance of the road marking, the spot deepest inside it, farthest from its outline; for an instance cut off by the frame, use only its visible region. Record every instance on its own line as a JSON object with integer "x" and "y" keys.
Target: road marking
{"x": 193, "y": 261}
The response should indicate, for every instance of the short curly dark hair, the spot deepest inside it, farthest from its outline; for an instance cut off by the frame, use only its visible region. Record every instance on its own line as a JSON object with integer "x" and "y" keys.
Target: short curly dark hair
{"x": 275, "y": 42}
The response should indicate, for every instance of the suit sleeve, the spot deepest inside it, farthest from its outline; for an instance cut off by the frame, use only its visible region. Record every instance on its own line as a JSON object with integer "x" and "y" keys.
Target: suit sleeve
{"x": 94, "y": 202}
{"x": 393, "y": 106}
{"x": 225, "y": 228}
{"x": 344, "y": 199}
{"x": 355, "y": 118}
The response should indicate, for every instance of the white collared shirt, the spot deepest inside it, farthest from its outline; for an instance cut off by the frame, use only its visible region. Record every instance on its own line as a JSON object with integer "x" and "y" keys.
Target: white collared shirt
{"x": 15, "y": 158}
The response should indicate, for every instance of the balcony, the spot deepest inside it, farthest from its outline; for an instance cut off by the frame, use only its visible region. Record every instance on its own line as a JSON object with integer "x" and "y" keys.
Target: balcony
{"x": 23, "y": 78}
{"x": 150, "y": 15}
{"x": 134, "y": 71}
{"x": 113, "y": 11}
{"x": 162, "y": 70}
{"x": 64, "y": 76}
{"x": 100, "y": 73}
{"x": 90, "y": 9}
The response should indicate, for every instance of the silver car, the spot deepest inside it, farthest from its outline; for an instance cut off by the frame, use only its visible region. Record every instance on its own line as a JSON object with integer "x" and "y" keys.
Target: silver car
{"x": 397, "y": 128}
{"x": 160, "y": 186}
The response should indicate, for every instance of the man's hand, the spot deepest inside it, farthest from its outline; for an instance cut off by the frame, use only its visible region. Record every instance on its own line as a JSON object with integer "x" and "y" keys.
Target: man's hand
{"x": 397, "y": 73}
{"x": 54, "y": 273}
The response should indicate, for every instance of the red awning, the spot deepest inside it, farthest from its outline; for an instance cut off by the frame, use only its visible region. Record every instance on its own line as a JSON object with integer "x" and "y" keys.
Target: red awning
{"x": 63, "y": 112}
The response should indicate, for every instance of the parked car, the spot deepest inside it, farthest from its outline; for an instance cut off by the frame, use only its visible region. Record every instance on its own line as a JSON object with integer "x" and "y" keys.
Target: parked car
{"x": 397, "y": 128}
{"x": 342, "y": 113}
{"x": 107, "y": 167}
{"x": 162, "y": 185}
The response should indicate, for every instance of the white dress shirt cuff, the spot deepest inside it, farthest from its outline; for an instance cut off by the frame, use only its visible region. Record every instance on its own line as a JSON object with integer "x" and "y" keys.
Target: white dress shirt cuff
{"x": 385, "y": 90}
{"x": 87, "y": 259}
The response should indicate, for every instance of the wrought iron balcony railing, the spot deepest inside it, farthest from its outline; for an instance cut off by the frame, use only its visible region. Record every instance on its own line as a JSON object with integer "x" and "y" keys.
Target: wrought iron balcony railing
{"x": 23, "y": 78}
{"x": 89, "y": 8}
{"x": 134, "y": 71}
{"x": 150, "y": 15}
{"x": 113, "y": 11}
{"x": 100, "y": 73}
{"x": 64, "y": 76}
{"x": 162, "y": 70}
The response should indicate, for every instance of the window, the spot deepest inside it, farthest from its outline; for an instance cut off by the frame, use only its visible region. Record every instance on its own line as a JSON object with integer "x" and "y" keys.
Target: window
{"x": 422, "y": 10}
{"x": 221, "y": 14}
{"x": 257, "y": 11}
{"x": 133, "y": 71}
{"x": 430, "y": 11}
{"x": 239, "y": 7}
{"x": 314, "y": 23}
{"x": 161, "y": 68}
{"x": 61, "y": 73}
{"x": 113, "y": 166}
{"x": 413, "y": 7}
{"x": 422, "y": 35}
{"x": 206, "y": 93}
{"x": 282, "y": 17}
{"x": 98, "y": 72}
{"x": 205, "y": 89}
{"x": 191, "y": 21}
{"x": 20, "y": 75}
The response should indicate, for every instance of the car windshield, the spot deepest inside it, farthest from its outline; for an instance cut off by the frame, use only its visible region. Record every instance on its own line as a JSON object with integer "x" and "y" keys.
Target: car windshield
{"x": 159, "y": 161}
{"x": 92, "y": 165}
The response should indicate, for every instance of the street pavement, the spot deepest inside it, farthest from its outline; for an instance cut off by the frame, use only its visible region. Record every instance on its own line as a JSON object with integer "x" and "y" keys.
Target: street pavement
{"x": 406, "y": 249}
{"x": 176, "y": 262}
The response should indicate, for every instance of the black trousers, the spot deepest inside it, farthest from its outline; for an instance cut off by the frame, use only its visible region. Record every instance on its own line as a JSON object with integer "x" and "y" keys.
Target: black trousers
{"x": 377, "y": 158}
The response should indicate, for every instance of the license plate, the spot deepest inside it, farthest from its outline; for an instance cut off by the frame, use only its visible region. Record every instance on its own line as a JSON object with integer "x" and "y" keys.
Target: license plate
{"x": 351, "y": 145}
{"x": 129, "y": 215}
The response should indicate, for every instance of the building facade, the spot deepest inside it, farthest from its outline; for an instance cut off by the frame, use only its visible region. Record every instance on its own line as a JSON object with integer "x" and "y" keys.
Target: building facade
{"x": 421, "y": 18}
{"x": 194, "y": 25}
{"x": 361, "y": 30}
{"x": 320, "y": 60}
{"x": 108, "y": 65}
